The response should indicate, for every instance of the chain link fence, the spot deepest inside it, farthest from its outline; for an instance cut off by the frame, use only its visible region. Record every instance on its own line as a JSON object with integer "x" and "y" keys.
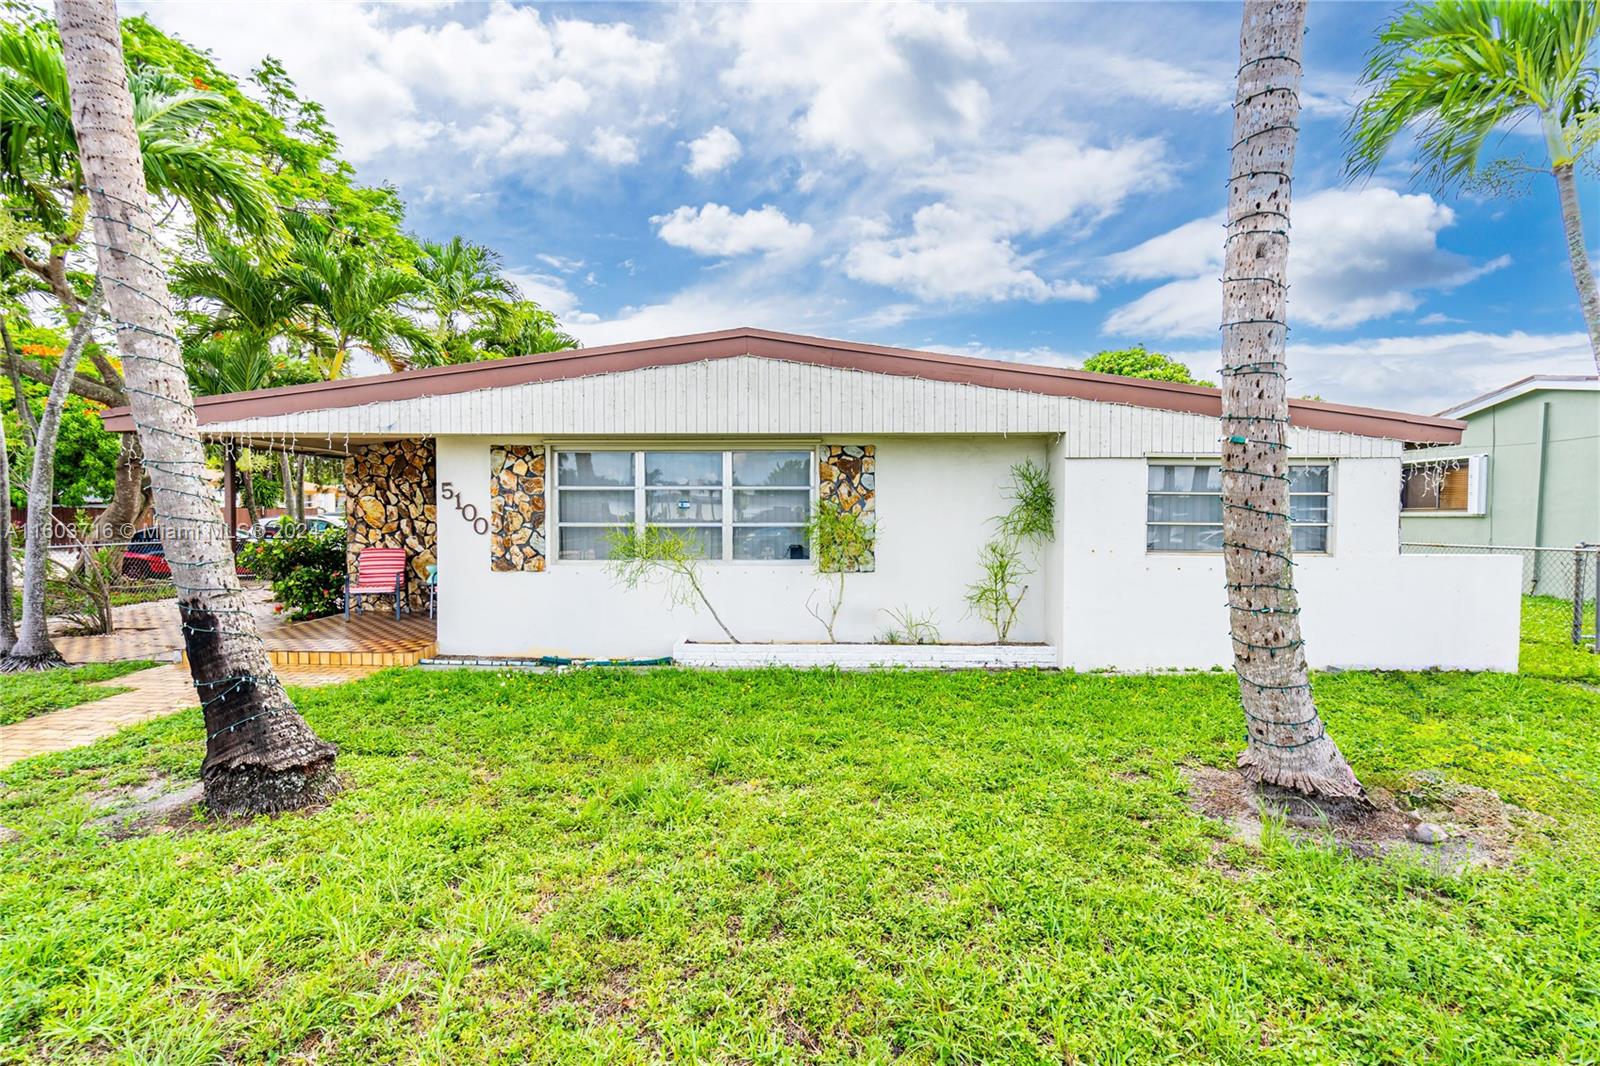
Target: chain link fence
{"x": 85, "y": 582}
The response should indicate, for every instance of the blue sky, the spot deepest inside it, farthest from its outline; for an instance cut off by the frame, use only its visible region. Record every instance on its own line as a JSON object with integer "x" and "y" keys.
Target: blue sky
{"x": 1033, "y": 182}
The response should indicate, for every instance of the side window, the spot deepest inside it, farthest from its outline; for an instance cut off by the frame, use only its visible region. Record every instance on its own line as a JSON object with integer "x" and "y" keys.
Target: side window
{"x": 1443, "y": 486}
{"x": 595, "y": 495}
{"x": 1183, "y": 509}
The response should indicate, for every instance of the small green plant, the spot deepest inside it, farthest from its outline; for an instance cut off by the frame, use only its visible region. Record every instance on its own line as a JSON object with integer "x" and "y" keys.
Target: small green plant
{"x": 910, "y": 627}
{"x": 997, "y": 594}
{"x": 1033, "y": 504}
{"x": 841, "y": 543}
{"x": 307, "y": 570}
{"x": 82, "y": 590}
{"x": 637, "y": 557}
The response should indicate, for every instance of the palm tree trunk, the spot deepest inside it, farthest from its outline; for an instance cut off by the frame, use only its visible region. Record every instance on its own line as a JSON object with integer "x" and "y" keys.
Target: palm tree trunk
{"x": 286, "y": 475}
{"x": 1287, "y": 745}
{"x": 29, "y": 424}
{"x": 8, "y": 622}
{"x": 33, "y": 649}
{"x": 1582, "y": 274}
{"x": 251, "y": 507}
{"x": 260, "y": 754}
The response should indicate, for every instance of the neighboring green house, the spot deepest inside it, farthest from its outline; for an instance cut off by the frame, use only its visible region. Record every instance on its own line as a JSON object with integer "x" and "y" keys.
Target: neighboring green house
{"x": 1526, "y": 474}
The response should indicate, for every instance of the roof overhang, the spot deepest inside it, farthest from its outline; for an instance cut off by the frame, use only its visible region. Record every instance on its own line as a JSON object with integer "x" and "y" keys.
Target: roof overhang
{"x": 788, "y": 347}
{"x": 1523, "y": 386}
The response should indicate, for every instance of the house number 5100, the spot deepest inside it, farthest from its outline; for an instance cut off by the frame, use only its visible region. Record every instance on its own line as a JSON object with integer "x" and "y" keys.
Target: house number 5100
{"x": 480, "y": 524}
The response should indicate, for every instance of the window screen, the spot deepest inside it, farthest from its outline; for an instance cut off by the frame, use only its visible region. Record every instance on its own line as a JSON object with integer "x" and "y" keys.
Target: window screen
{"x": 1184, "y": 507}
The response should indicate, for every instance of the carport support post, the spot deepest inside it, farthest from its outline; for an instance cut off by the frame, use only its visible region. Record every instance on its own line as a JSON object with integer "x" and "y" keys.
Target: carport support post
{"x": 230, "y": 494}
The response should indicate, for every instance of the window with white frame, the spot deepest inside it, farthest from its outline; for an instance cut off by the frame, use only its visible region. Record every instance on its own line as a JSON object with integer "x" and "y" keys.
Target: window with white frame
{"x": 1450, "y": 486}
{"x": 1184, "y": 507}
{"x": 749, "y": 505}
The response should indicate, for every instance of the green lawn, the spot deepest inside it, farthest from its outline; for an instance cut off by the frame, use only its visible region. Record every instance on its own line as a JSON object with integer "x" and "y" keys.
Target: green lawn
{"x": 1547, "y": 648}
{"x": 25, "y": 695}
{"x": 785, "y": 867}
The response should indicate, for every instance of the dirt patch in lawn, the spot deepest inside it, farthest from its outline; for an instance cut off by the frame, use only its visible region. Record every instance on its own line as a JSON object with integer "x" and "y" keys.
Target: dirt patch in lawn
{"x": 164, "y": 805}
{"x": 160, "y": 805}
{"x": 1447, "y": 826}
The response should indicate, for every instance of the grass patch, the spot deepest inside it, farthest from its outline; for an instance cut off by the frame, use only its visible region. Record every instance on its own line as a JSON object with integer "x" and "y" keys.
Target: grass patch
{"x": 776, "y": 866}
{"x": 1547, "y": 648}
{"x": 25, "y": 695}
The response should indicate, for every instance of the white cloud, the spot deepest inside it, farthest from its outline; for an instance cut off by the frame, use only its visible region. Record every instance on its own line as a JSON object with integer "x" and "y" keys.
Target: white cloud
{"x": 879, "y": 81}
{"x": 1117, "y": 76}
{"x": 1432, "y": 372}
{"x": 1354, "y": 256}
{"x": 1048, "y": 181}
{"x": 712, "y": 151}
{"x": 617, "y": 149}
{"x": 501, "y": 83}
{"x": 950, "y": 255}
{"x": 704, "y": 308}
{"x": 715, "y": 230}
{"x": 962, "y": 247}
{"x": 550, "y": 292}
{"x": 1419, "y": 372}
{"x": 1103, "y": 74}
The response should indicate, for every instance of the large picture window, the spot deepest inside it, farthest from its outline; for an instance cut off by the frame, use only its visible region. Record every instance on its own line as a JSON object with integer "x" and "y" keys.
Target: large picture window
{"x": 742, "y": 506}
{"x": 1184, "y": 507}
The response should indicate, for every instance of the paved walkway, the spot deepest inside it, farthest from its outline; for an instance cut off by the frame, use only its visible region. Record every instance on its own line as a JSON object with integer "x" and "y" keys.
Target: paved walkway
{"x": 158, "y": 691}
{"x": 147, "y": 631}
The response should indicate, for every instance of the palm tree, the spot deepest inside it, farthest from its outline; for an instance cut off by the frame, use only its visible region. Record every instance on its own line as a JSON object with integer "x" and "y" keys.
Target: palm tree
{"x": 464, "y": 291}
{"x": 39, "y": 169}
{"x": 525, "y": 328}
{"x": 243, "y": 294}
{"x": 260, "y": 754}
{"x": 241, "y": 361}
{"x": 352, "y": 300}
{"x": 33, "y": 649}
{"x": 1287, "y": 744}
{"x": 1460, "y": 70}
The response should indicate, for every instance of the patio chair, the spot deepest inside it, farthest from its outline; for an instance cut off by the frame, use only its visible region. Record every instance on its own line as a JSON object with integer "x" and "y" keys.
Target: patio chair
{"x": 432, "y": 581}
{"x": 379, "y": 572}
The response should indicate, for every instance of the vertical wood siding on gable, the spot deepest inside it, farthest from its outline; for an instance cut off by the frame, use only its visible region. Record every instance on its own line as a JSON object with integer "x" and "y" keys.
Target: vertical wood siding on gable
{"x": 747, "y": 395}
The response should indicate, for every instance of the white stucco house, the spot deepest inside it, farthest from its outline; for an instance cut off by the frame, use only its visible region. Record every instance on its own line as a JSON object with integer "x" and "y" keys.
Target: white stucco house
{"x": 506, "y": 475}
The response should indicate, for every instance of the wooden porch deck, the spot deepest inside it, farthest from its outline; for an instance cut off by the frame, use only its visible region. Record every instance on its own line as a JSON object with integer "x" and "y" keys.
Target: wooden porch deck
{"x": 369, "y": 638}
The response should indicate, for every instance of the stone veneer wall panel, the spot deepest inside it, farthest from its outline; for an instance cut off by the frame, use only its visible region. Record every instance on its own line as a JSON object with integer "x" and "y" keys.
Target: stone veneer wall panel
{"x": 848, "y": 473}
{"x": 389, "y": 503}
{"x": 516, "y": 507}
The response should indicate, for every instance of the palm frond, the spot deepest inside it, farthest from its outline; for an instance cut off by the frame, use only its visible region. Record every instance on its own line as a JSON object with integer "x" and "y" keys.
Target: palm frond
{"x": 1455, "y": 72}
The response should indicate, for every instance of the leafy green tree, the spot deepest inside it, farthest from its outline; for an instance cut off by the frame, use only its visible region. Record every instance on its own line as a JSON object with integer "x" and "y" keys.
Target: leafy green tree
{"x": 354, "y": 300}
{"x": 1138, "y": 362}
{"x": 1457, "y": 71}
{"x": 463, "y": 292}
{"x": 525, "y": 328}
{"x": 44, "y": 192}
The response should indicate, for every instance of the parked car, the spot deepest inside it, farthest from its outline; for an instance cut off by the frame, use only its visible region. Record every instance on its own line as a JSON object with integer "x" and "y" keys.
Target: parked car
{"x": 146, "y": 557}
{"x": 268, "y": 528}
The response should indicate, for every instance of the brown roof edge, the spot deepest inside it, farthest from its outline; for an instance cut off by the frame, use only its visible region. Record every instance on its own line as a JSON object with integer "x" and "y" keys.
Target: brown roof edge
{"x": 872, "y": 358}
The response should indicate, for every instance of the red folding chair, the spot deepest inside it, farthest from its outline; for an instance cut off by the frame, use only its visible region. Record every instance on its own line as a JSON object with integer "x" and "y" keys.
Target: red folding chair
{"x": 379, "y": 572}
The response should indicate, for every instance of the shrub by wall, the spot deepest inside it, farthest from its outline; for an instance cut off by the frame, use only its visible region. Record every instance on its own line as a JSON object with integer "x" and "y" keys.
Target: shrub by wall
{"x": 306, "y": 571}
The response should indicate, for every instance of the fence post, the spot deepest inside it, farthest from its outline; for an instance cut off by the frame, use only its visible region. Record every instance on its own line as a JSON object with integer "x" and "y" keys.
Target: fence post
{"x": 1594, "y": 550}
{"x": 1577, "y": 597}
